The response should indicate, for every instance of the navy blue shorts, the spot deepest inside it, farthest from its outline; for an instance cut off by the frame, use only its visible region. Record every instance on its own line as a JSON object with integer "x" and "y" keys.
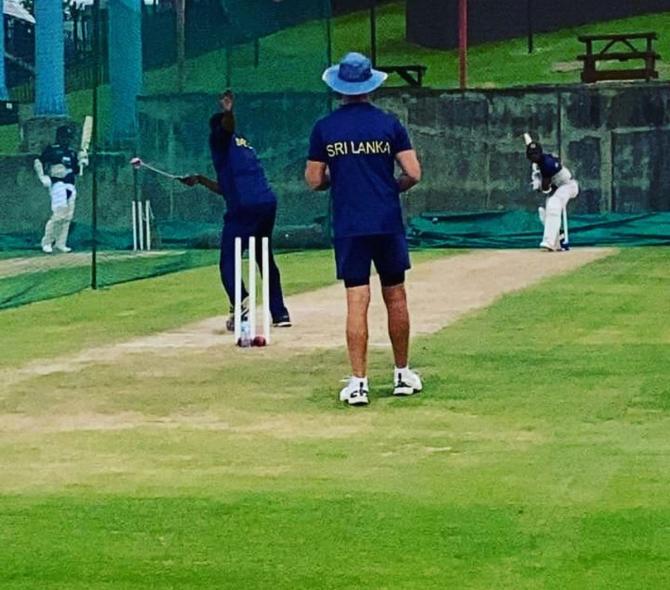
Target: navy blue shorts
{"x": 354, "y": 257}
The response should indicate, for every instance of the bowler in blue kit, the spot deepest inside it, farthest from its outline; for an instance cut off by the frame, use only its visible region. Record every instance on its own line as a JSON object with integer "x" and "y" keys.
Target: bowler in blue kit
{"x": 251, "y": 205}
{"x": 354, "y": 152}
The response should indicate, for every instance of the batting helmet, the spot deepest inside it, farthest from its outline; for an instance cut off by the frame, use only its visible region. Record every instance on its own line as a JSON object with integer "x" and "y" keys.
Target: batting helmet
{"x": 533, "y": 150}
{"x": 64, "y": 135}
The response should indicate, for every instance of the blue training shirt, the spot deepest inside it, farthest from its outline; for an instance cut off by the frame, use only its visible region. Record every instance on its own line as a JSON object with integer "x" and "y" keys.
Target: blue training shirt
{"x": 359, "y": 143}
{"x": 549, "y": 165}
{"x": 57, "y": 154}
{"x": 239, "y": 172}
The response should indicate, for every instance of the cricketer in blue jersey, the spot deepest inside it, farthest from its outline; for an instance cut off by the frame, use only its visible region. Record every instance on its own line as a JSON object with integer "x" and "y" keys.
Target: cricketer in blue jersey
{"x": 251, "y": 206}
{"x": 556, "y": 181}
{"x": 354, "y": 152}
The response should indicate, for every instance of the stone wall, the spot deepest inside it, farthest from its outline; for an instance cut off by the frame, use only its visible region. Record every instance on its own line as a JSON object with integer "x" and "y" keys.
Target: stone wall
{"x": 614, "y": 139}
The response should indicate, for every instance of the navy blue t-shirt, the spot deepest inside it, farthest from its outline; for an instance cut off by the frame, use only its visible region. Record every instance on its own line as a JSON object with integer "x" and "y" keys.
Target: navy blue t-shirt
{"x": 239, "y": 172}
{"x": 549, "y": 165}
{"x": 57, "y": 154}
{"x": 359, "y": 143}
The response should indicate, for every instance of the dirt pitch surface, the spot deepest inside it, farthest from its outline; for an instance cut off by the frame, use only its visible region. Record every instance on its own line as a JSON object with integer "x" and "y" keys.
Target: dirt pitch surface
{"x": 440, "y": 292}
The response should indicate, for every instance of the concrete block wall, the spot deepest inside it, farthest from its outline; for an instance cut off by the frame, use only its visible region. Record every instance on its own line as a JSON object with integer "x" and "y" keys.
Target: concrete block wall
{"x": 613, "y": 138}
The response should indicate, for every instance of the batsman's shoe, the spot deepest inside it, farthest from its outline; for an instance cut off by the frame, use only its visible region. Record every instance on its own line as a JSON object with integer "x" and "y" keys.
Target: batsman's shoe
{"x": 406, "y": 382}
{"x": 356, "y": 392}
{"x": 283, "y": 321}
{"x": 548, "y": 247}
{"x": 63, "y": 249}
{"x": 244, "y": 315}
{"x": 47, "y": 249}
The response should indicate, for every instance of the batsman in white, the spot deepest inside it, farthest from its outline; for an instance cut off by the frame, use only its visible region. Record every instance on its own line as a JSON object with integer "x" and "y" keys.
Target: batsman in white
{"x": 553, "y": 179}
{"x": 57, "y": 169}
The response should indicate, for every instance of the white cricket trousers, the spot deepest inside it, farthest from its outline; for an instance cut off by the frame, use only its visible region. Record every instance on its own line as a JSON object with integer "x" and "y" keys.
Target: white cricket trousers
{"x": 63, "y": 197}
{"x": 553, "y": 211}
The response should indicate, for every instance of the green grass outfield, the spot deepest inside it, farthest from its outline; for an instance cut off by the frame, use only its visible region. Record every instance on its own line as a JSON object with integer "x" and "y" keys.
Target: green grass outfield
{"x": 537, "y": 457}
{"x": 498, "y": 64}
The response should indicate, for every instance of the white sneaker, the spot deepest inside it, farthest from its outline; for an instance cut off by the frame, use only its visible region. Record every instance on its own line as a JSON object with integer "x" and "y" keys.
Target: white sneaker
{"x": 355, "y": 393}
{"x": 64, "y": 249}
{"x": 547, "y": 246}
{"x": 406, "y": 382}
{"x": 47, "y": 249}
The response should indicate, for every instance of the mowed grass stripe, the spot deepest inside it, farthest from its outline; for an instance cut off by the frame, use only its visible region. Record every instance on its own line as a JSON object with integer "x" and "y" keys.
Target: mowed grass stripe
{"x": 538, "y": 457}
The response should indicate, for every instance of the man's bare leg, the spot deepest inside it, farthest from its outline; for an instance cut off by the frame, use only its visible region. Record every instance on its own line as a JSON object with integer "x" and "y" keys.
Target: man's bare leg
{"x": 358, "y": 301}
{"x": 395, "y": 298}
{"x": 405, "y": 381}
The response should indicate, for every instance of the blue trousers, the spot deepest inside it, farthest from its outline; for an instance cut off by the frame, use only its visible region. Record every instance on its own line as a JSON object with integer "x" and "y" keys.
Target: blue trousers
{"x": 258, "y": 221}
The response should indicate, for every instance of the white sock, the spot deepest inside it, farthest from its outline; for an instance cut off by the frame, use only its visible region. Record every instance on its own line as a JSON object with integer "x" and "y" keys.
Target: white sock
{"x": 402, "y": 370}
{"x": 360, "y": 381}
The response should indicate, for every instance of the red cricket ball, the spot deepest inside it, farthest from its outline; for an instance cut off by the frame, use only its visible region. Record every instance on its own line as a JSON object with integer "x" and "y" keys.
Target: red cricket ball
{"x": 259, "y": 341}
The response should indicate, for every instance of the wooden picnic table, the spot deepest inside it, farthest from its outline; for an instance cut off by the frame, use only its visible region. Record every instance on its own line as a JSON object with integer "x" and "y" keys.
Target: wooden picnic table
{"x": 619, "y": 47}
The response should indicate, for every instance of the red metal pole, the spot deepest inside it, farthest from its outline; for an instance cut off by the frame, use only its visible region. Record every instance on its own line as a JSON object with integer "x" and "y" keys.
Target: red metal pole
{"x": 463, "y": 42}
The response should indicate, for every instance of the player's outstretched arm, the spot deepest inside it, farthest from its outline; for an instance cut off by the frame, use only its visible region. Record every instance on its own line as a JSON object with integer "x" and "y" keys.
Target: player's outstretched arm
{"x": 199, "y": 179}
{"x": 411, "y": 170}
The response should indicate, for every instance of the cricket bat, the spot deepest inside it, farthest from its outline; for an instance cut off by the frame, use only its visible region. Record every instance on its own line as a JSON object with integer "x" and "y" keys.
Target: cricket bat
{"x": 86, "y": 136}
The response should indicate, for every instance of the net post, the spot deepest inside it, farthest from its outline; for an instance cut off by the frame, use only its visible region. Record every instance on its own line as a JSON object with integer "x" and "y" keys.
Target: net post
{"x": 94, "y": 145}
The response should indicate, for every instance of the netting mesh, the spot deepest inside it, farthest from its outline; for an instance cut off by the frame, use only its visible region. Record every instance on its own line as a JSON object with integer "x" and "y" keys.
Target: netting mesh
{"x": 150, "y": 72}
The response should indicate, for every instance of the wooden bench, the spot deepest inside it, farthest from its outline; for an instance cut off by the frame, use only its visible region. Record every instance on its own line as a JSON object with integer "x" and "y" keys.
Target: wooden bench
{"x": 412, "y": 74}
{"x": 624, "y": 50}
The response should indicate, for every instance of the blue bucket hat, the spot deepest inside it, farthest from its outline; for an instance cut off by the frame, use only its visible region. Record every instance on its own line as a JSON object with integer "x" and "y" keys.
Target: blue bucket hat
{"x": 353, "y": 75}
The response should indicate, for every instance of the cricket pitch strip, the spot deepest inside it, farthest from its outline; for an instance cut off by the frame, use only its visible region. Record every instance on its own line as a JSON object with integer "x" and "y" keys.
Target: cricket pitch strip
{"x": 439, "y": 292}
